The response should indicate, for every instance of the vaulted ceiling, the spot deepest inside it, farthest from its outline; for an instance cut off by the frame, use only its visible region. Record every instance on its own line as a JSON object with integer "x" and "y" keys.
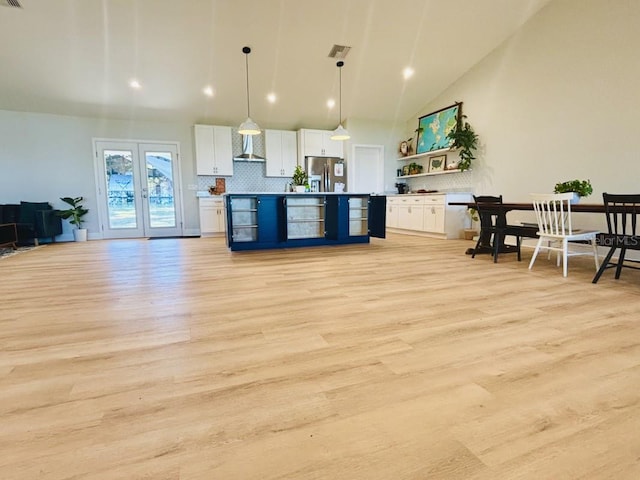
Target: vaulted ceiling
{"x": 77, "y": 56}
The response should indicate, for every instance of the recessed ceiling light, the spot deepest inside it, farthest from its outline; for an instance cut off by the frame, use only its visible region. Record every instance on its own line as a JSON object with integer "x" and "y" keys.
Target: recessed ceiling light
{"x": 133, "y": 83}
{"x": 271, "y": 98}
{"x": 208, "y": 91}
{"x": 331, "y": 103}
{"x": 407, "y": 73}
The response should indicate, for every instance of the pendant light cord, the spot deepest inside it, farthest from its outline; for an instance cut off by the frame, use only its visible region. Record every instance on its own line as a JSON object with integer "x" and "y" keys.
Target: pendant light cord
{"x": 247, "y": 51}
{"x": 340, "y": 64}
{"x": 340, "y": 97}
{"x": 340, "y": 133}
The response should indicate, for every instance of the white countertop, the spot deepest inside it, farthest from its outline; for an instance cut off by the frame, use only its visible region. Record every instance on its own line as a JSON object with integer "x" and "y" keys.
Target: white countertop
{"x": 414, "y": 194}
{"x": 301, "y": 193}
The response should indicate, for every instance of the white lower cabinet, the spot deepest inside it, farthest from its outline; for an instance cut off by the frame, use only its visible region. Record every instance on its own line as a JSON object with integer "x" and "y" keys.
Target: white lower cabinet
{"x": 410, "y": 213}
{"x": 393, "y": 204}
{"x": 434, "y": 218}
{"x": 212, "y": 216}
{"x": 434, "y": 214}
{"x": 428, "y": 215}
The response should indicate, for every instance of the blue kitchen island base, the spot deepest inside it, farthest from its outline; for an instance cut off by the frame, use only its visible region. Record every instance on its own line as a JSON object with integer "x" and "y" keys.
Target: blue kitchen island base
{"x": 281, "y": 220}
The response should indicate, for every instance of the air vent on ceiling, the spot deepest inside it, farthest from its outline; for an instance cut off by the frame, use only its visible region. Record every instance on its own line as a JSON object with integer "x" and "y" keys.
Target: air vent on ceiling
{"x": 339, "y": 51}
{"x": 10, "y": 3}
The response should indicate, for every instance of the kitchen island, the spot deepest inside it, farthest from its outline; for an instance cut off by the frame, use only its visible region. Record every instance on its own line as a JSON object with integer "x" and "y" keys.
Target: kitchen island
{"x": 284, "y": 220}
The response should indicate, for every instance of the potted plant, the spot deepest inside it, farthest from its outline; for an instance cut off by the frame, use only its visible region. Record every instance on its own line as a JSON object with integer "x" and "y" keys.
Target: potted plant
{"x": 300, "y": 179}
{"x": 75, "y": 213}
{"x": 471, "y": 232}
{"x": 581, "y": 188}
{"x": 464, "y": 138}
{"x": 415, "y": 168}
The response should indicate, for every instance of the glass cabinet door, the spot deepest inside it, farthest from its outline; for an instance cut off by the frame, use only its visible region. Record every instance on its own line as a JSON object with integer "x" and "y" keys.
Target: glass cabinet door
{"x": 244, "y": 219}
{"x": 358, "y": 216}
{"x": 305, "y": 217}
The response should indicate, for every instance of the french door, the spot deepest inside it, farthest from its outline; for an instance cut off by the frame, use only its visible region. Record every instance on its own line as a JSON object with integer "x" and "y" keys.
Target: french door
{"x": 137, "y": 186}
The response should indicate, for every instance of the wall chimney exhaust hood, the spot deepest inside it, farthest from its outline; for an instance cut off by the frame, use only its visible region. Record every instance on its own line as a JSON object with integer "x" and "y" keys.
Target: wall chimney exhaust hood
{"x": 247, "y": 154}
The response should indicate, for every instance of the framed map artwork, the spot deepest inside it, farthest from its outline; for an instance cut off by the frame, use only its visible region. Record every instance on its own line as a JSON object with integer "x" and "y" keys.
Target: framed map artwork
{"x": 434, "y": 127}
{"x": 436, "y": 164}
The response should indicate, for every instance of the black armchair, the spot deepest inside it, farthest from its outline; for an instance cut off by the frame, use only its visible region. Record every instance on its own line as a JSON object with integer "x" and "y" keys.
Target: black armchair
{"x": 34, "y": 220}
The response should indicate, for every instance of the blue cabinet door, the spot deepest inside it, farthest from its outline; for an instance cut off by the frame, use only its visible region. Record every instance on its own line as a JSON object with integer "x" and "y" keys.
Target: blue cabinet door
{"x": 377, "y": 216}
{"x": 255, "y": 221}
{"x": 269, "y": 219}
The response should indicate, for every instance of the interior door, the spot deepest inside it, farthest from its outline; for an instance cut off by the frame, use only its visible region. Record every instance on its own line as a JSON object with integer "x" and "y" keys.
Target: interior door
{"x": 137, "y": 189}
{"x": 366, "y": 166}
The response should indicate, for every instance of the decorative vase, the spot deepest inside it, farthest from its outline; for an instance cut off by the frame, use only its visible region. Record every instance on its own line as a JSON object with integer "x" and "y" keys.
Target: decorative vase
{"x": 300, "y": 188}
{"x": 575, "y": 199}
{"x": 80, "y": 234}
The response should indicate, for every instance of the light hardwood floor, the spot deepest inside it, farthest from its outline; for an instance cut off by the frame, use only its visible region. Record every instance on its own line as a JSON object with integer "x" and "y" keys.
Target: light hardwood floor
{"x": 404, "y": 359}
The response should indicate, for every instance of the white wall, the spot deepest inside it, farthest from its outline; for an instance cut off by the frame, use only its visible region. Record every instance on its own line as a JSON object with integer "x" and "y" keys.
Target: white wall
{"x": 555, "y": 102}
{"x": 372, "y": 132}
{"x": 558, "y": 101}
{"x": 44, "y": 157}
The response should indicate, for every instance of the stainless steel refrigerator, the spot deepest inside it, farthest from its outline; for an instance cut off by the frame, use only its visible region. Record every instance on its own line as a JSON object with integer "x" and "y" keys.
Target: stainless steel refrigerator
{"x": 326, "y": 174}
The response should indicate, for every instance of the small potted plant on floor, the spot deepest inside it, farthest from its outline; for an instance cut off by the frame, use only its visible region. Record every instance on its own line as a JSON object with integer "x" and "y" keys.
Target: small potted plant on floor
{"x": 472, "y": 231}
{"x": 300, "y": 179}
{"x": 580, "y": 188}
{"x": 75, "y": 214}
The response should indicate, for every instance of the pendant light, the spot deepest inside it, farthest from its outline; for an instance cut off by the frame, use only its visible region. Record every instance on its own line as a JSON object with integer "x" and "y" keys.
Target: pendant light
{"x": 248, "y": 127}
{"x": 340, "y": 133}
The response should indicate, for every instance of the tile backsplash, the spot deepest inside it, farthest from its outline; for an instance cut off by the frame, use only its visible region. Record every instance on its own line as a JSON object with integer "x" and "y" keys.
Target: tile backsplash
{"x": 247, "y": 176}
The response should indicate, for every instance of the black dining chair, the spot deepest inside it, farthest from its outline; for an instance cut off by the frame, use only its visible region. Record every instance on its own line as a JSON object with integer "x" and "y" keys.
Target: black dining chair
{"x": 494, "y": 228}
{"x": 623, "y": 232}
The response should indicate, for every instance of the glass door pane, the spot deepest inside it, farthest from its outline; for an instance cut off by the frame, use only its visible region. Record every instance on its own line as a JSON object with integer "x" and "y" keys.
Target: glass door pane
{"x": 358, "y": 216}
{"x": 305, "y": 217}
{"x": 244, "y": 219}
{"x": 120, "y": 186}
{"x": 160, "y": 203}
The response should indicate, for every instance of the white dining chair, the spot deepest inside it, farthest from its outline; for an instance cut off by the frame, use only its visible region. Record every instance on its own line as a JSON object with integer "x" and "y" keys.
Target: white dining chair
{"x": 555, "y": 230}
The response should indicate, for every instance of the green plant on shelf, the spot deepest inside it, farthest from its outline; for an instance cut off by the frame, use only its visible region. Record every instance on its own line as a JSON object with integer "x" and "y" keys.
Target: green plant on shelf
{"x": 464, "y": 138}
{"x": 415, "y": 168}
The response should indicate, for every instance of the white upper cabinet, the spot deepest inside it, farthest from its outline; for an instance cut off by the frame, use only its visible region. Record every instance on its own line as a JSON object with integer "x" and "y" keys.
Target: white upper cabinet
{"x": 280, "y": 152}
{"x": 318, "y": 143}
{"x": 214, "y": 152}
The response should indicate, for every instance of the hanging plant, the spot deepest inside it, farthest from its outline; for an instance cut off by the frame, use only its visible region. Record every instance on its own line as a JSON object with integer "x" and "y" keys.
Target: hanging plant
{"x": 464, "y": 138}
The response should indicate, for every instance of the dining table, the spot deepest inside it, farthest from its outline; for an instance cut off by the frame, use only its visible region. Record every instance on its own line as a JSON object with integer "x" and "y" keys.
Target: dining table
{"x": 484, "y": 246}
{"x": 528, "y": 206}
